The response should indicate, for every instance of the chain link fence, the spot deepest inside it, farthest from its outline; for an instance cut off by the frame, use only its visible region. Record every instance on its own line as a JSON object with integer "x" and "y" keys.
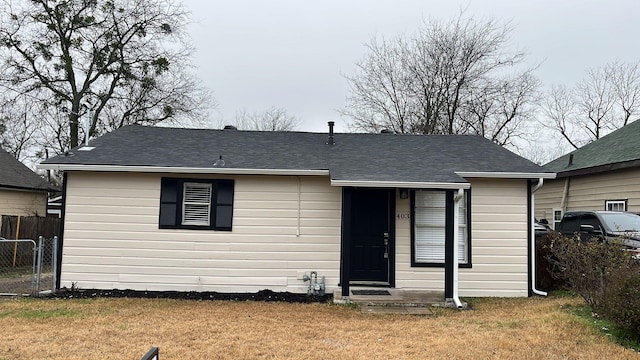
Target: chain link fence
{"x": 27, "y": 266}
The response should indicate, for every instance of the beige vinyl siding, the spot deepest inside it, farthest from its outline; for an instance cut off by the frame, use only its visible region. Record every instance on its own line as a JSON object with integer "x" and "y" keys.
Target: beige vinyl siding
{"x": 499, "y": 244}
{"x": 112, "y": 239}
{"x": 589, "y": 192}
{"x": 547, "y": 198}
{"x": 22, "y": 203}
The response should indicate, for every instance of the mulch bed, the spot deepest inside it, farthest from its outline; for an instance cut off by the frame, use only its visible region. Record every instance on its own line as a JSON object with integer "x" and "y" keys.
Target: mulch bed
{"x": 262, "y": 295}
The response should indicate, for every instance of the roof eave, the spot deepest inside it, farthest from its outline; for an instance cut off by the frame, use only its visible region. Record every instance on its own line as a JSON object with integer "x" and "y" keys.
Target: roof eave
{"x": 599, "y": 168}
{"x": 29, "y": 189}
{"x": 183, "y": 170}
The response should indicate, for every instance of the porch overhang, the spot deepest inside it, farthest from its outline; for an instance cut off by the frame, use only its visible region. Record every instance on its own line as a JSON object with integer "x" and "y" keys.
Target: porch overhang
{"x": 505, "y": 175}
{"x": 400, "y": 184}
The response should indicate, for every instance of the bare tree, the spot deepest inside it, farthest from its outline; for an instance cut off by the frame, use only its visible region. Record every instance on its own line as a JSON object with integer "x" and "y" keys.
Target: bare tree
{"x": 501, "y": 109}
{"x": 454, "y": 77}
{"x": 606, "y": 99}
{"x": 380, "y": 95}
{"x": 626, "y": 88}
{"x": 117, "y": 62}
{"x": 560, "y": 107}
{"x": 271, "y": 119}
{"x": 17, "y": 133}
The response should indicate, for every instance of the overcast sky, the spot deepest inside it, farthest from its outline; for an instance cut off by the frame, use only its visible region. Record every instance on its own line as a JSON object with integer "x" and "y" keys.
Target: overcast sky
{"x": 255, "y": 54}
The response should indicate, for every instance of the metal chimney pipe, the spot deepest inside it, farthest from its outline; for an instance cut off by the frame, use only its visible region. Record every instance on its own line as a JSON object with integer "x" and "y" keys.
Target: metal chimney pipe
{"x": 330, "y": 140}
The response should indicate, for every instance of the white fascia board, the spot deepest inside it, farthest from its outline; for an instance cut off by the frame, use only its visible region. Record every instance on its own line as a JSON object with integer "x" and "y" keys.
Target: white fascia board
{"x": 506, "y": 175}
{"x": 181, "y": 170}
{"x": 400, "y": 184}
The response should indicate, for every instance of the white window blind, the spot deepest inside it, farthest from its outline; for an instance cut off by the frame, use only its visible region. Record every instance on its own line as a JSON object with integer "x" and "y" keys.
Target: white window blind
{"x": 196, "y": 204}
{"x": 430, "y": 227}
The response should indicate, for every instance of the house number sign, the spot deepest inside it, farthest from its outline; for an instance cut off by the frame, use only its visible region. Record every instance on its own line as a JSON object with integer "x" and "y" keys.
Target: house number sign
{"x": 403, "y": 216}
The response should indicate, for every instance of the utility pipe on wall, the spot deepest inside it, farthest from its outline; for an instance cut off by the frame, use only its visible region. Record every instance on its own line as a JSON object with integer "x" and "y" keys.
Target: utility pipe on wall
{"x": 565, "y": 194}
{"x": 456, "y": 230}
{"x": 533, "y": 239}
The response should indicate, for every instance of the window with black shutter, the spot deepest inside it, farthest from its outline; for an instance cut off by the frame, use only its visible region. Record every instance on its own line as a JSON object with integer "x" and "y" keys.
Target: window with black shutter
{"x": 199, "y": 204}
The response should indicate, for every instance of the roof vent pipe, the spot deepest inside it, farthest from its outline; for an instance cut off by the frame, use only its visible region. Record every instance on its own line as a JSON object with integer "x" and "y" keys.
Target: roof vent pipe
{"x": 219, "y": 162}
{"x": 330, "y": 140}
{"x": 570, "y": 159}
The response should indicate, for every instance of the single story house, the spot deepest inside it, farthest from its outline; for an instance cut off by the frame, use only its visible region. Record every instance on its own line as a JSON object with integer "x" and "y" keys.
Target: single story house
{"x": 602, "y": 175}
{"x": 150, "y": 208}
{"x": 22, "y": 191}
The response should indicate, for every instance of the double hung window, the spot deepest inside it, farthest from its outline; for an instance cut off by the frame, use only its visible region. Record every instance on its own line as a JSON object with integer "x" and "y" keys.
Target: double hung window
{"x": 432, "y": 225}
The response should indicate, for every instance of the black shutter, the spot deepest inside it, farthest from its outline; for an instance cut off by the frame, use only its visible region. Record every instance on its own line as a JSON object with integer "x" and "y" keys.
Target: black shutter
{"x": 224, "y": 205}
{"x": 168, "y": 203}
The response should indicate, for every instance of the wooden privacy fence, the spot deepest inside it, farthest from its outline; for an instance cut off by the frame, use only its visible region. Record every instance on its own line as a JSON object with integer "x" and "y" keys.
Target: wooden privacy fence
{"x": 25, "y": 227}
{"x": 29, "y": 227}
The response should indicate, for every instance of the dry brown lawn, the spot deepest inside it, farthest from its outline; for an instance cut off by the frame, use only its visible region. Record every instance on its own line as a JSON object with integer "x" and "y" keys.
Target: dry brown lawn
{"x": 535, "y": 328}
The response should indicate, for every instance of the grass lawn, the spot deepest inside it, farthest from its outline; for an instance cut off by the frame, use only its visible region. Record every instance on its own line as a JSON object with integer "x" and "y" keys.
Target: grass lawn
{"x": 109, "y": 328}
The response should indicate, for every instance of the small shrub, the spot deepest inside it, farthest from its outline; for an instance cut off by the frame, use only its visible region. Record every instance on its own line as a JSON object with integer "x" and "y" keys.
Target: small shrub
{"x": 604, "y": 275}
{"x": 622, "y": 303}
{"x": 545, "y": 278}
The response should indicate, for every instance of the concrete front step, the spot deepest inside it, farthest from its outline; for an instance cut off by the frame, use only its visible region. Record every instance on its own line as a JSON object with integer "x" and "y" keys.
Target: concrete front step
{"x": 397, "y": 301}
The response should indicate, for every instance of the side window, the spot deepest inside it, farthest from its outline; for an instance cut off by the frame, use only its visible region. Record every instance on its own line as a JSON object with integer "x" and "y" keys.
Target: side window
{"x": 557, "y": 217}
{"x": 615, "y": 205}
{"x": 199, "y": 204}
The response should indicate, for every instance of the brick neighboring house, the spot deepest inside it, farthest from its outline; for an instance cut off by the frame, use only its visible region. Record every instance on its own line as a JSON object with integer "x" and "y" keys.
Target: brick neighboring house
{"x": 22, "y": 191}
{"x": 602, "y": 175}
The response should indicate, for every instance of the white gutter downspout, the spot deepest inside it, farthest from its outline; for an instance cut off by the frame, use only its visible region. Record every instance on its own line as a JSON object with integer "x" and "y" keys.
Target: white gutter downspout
{"x": 456, "y": 230}
{"x": 533, "y": 240}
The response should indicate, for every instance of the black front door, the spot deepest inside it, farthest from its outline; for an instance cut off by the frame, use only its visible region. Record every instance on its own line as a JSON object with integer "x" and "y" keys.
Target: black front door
{"x": 371, "y": 238}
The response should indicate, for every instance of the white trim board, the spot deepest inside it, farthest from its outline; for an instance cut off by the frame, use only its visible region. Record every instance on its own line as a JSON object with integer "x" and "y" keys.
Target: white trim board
{"x": 401, "y": 184}
{"x": 181, "y": 170}
{"x": 505, "y": 175}
{"x": 295, "y": 172}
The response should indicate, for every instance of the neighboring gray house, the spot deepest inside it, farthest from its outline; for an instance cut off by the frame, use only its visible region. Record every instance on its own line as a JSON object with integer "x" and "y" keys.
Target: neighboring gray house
{"x": 239, "y": 211}
{"x": 22, "y": 192}
{"x": 602, "y": 175}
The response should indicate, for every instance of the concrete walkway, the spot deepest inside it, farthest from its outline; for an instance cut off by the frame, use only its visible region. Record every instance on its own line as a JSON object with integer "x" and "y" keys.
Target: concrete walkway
{"x": 397, "y": 301}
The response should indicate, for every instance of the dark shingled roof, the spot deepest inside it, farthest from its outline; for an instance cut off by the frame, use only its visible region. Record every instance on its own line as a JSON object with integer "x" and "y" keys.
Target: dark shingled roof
{"x": 618, "y": 149}
{"x": 16, "y": 175}
{"x": 354, "y": 157}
